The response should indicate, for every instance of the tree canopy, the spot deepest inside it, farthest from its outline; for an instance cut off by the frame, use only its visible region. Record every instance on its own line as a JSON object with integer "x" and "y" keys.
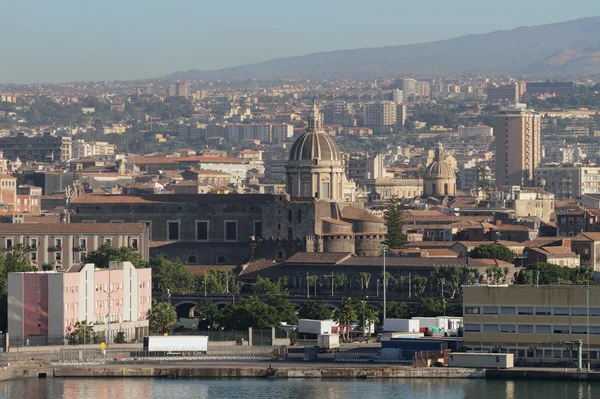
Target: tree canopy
{"x": 107, "y": 253}
{"x": 315, "y": 310}
{"x": 395, "y": 238}
{"x": 162, "y": 317}
{"x": 265, "y": 286}
{"x": 493, "y": 251}
{"x": 554, "y": 274}
{"x": 249, "y": 312}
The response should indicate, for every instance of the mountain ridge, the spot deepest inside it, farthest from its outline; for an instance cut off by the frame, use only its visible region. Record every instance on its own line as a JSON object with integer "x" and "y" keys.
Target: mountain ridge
{"x": 522, "y": 50}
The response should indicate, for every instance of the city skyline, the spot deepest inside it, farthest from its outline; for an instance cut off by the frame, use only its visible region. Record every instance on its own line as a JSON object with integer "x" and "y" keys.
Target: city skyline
{"x": 78, "y": 42}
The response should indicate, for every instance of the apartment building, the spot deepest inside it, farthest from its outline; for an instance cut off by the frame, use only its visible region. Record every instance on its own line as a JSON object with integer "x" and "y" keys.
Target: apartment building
{"x": 178, "y": 89}
{"x": 266, "y": 132}
{"x": 337, "y": 113}
{"x": 83, "y": 149}
{"x": 510, "y": 93}
{"x": 525, "y": 320}
{"x": 44, "y": 306}
{"x": 66, "y": 244}
{"x": 44, "y": 148}
{"x": 518, "y": 149}
{"x": 569, "y": 181}
{"x": 380, "y": 116}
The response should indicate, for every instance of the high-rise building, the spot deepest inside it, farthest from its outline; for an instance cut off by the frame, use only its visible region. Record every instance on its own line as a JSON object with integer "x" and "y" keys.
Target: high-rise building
{"x": 517, "y": 146}
{"x": 413, "y": 87}
{"x": 398, "y": 96}
{"x": 178, "y": 89}
{"x": 336, "y": 113}
{"x": 400, "y": 116}
{"x": 380, "y": 116}
{"x": 143, "y": 90}
{"x": 510, "y": 93}
{"x": 44, "y": 148}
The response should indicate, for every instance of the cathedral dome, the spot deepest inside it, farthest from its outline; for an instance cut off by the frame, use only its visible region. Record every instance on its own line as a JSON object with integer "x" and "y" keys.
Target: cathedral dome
{"x": 440, "y": 170}
{"x": 315, "y": 145}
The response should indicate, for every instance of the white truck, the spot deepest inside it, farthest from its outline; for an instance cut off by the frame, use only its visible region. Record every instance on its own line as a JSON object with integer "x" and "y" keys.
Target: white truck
{"x": 316, "y": 327}
{"x": 401, "y": 325}
{"x": 328, "y": 342}
{"x": 176, "y": 345}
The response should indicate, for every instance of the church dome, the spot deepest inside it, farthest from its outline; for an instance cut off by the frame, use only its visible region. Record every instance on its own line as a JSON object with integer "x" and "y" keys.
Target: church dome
{"x": 315, "y": 145}
{"x": 440, "y": 170}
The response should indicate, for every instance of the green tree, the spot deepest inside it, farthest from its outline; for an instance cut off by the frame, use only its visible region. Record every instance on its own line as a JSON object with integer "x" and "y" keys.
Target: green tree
{"x": 395, "y": 237}
{"x": 339, "y": 281}
{"x": 81, "y": 333}
{"x": 493, "y": 251}
{"x": 365, "y": 278}
{"x": 551, "y": 274}
{"x": 218, "y": 282}
{"x": 208, "y": 311}
{"x": 419, "y": 284}
{"x": 345, "y": 316}
{"x": 286, "y": 310}
{"x": 265, "y": 286}
{"x": 402, "y": 310}
{"x": 162, "y": 317}
{"x": 453, "y": 278}
{"x": 107, "y": 253}
{"x": 170, "y": 275}
{"x": 250, "y": 312}
{"x": 370, "y": 316}
{"x": 119, "y": 338}
{"x": 496, "y": 275}
{"x": 430, "y": 307}
{"x": 315, "y": 310}
{"x": 312, "y": 283}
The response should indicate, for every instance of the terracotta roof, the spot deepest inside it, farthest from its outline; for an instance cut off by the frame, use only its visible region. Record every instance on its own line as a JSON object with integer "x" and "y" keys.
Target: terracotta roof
{"x": 72, "y": 228}
{"x": 336, "y": 221}
{"x": 430, "y": 244}
{"x": 512, "y": 227}
{"x": 349, "y": 212}
{"x": 439, "y": 253}
{"x": 423, "y": 213}
{"x": 541, "y": 241}
{"x": 555, "y": 251}
{"x": 377, "y": 261}
{"x": 587, "y": 237}
{"x": 472, "y": 262}
{"x": 319, "y": 257}
{"x": 255, "y": 266}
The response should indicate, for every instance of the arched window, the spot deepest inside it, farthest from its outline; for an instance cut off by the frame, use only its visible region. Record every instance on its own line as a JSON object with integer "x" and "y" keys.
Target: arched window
{"x": 220, "y": 260}
{"x": 433, "y": 189}
{"x": 192, "y": 259}
{"x": 445, "y": 188}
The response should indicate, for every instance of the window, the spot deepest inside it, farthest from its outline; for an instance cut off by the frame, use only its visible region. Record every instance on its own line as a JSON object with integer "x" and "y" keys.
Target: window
{"x": 58, "y": 256}
{"x": 220, "y": 260}
{"x": 173, "y": 230}
{"x": 508, "y": 328}
{"x": 134, "y": 244}
{"x": 526, "y": 310}
{"x": 34, "y": 256}
{"x": 579, "y": 312}
{"x": 472, "y": 309}
{"x": 490, "y": 328}
{"x": 325, "y": 193}
{"x": 579, "y": 330}
{"x": 192, "y": 259}
{"x": 525, "y": 329}
{"x": 202, "y": 230}
{"x": 231, "y": 230}
{"x": 39, "y": 307}
{"x": 542, "y": 311}
{"x": 594, "y": 311}
{"x": 258, "y": 229}
{"x": 58, "y": 243}
{"x": 108, "y": 241}
{"x": 39, "y": 323}
{"x": 472, "y": 328}
{"x": 561, "y": 330}
{"x": 33, "y": 243}
{"x": 9, "y": 243}
{"x": 561, "y": 311}
{"x": 543, "y": 329}
{"x": 290, "y": 215}
{"x": 299, "y": 218}
{"x": 490, "y": 310}
{"x": 83, "y": 243}
{"x": 507, "y": 310}
{"x": 595, "y": 330}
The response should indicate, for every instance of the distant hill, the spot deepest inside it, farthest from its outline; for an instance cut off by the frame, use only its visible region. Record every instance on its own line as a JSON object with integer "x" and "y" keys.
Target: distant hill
{"x": 571, "y": 47}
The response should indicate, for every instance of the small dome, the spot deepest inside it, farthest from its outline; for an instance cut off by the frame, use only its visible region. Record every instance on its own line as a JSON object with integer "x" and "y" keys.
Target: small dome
{"x": 440, "y": 170}
{"x": 315, "y": 145}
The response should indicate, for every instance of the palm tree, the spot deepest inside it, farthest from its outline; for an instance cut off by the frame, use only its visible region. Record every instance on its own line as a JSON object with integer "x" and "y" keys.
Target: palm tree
{"x": 162, "y": 317}
{"x": 345, "y": 316}
{"x": 80, "y": 333}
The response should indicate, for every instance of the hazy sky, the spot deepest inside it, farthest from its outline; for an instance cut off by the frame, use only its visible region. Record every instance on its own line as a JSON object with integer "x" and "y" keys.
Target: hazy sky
{"x": 68, "y": 40}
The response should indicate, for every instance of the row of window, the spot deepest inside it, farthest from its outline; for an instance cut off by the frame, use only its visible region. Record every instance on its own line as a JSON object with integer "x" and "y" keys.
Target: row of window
{"x": 531, "y": 311}
{"x": 531, "y": 329}
{"x": 202, "y": 230}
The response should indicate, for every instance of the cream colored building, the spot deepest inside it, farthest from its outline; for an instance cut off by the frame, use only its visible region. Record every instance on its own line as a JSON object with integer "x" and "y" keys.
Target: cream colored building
{"x": 518, "y": 148}
{"x": 65, "y": 244}
{"x": 439, "y": 179}
{"x": 518, "y": 318}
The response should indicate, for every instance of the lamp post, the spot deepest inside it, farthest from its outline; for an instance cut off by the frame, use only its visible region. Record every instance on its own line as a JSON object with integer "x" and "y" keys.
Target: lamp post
{"x": 443, "y": 280}
{"x": 307, "y": 287}
{"x": 384, "y": 248}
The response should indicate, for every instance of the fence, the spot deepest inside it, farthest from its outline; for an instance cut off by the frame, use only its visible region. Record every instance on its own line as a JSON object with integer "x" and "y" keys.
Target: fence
{"x": 430, "y": 358}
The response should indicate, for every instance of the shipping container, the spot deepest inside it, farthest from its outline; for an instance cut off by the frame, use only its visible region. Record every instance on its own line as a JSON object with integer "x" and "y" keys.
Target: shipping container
{"x": 328, "y": 342}
{"x": 179, "y": 344}
{"x": 400, "y": 325}
{"x": 316, "y": 327}
{"x": 386, "y": 336}
{"x": 482, "y": 360}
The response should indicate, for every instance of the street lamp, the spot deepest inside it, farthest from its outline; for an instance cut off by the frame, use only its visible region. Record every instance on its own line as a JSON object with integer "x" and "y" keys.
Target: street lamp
{"x": 443, "y": 281}
{"x": 384, "y": 248}
{"x": 109, "y": 292}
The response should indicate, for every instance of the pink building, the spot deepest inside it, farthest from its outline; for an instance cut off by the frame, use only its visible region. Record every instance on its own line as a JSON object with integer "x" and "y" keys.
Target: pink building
{"x": 43, "y": 306}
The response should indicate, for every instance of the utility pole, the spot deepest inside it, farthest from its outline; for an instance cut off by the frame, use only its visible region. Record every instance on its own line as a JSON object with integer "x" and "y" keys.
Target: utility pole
{"x": 307, "y": 287}
{"x": 384, "y": 285}
{"x": 409, "y": 286}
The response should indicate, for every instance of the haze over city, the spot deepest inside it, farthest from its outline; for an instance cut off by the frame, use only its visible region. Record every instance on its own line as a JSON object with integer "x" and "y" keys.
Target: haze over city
{"x": 73, "y": 41}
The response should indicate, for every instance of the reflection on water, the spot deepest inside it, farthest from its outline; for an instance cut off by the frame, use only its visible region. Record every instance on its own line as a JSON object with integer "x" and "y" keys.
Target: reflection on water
{"x": 294, "y": 389}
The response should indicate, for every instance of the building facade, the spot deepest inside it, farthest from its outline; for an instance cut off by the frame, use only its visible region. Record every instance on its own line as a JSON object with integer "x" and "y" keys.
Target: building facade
{"x": 518, "y": 150}
{"x": 43, "y": 307}
{"x": 524, "y": 320}
{"x": 44, "y": 148}
{"x": 569, "y": 181}
{"x": 63, "y": 245}
{"x": 439, "y": 179}
{"x": 380, "y": 116}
